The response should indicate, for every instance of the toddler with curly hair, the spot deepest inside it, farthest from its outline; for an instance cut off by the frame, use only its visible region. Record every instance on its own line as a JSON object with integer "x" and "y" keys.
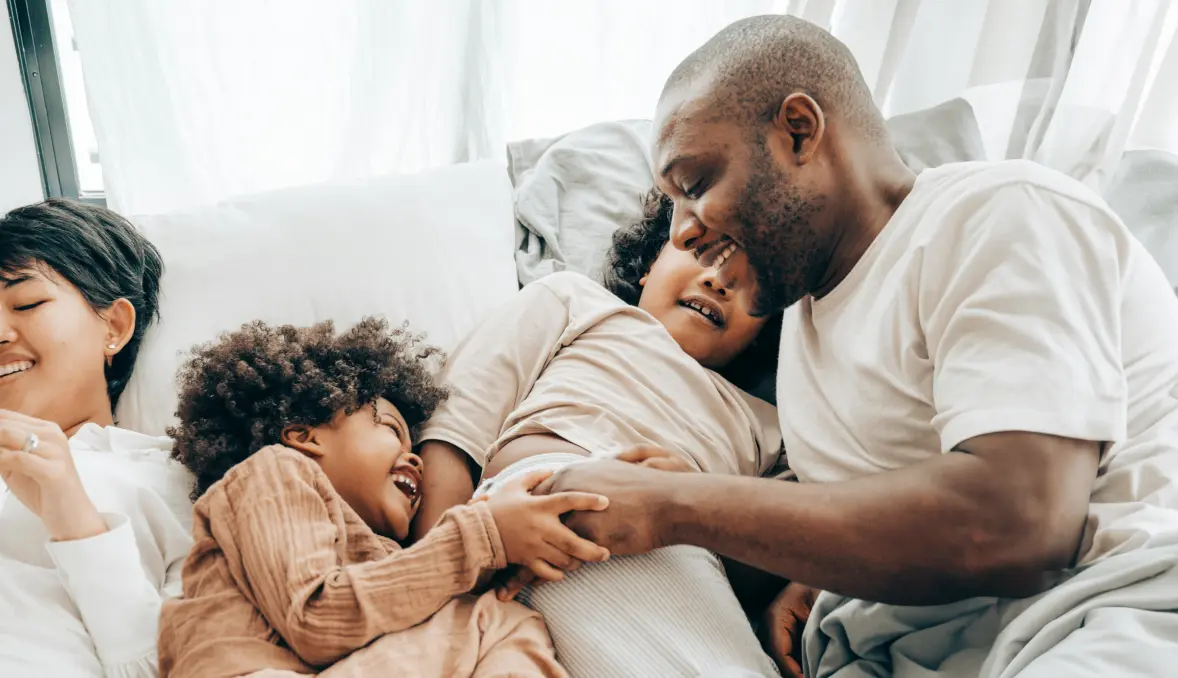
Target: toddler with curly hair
{"x": 300, "y": 440}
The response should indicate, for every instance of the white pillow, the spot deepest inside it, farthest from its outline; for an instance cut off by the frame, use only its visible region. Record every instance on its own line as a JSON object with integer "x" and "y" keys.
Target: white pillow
{"x": 435, "y": 249}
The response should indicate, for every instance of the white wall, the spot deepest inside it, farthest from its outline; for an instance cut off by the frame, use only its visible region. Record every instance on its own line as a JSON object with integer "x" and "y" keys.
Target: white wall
{"x": 20, "y": 173}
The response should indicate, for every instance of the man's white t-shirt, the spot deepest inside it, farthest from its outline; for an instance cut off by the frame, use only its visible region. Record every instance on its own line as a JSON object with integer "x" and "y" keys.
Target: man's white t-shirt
{"x": 1000, "y": 297}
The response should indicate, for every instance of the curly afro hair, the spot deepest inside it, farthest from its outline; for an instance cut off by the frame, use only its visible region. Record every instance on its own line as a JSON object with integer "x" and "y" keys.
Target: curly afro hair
{"x": 634, "y": 250}
{"x": 237, "y": 394}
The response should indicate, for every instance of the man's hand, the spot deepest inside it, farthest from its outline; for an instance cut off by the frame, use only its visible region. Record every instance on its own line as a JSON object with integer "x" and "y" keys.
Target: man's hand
{"x": 634, "y": 521}
{"x": 532, "y": 532}
{"x": 782, "y": 626}
{"x": 646, "y": 456}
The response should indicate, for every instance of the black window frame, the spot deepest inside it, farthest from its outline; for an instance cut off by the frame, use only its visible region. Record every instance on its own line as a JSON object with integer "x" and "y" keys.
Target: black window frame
{"x": 36, "y": 52}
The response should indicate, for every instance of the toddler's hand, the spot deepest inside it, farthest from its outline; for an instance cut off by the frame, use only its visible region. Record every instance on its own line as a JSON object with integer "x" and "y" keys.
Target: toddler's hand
{"x": 656, "y": 458}
{"x": 644, "y": 455}
{"x": 532, "y": 532}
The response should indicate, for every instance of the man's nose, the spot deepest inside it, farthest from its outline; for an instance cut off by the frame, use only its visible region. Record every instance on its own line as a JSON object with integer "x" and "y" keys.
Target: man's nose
{"x": 686, "y": 230}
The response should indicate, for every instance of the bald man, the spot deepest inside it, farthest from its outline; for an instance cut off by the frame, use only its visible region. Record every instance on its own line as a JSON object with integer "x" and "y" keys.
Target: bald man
{"x": 978, "y": 385}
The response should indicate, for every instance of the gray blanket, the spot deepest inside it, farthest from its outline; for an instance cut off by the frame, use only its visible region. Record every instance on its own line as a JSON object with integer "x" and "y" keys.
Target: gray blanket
{"x": 1117, "y": 617}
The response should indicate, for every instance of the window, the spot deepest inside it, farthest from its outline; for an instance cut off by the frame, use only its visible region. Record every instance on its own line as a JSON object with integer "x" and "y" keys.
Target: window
{"x": 52, "y": 75}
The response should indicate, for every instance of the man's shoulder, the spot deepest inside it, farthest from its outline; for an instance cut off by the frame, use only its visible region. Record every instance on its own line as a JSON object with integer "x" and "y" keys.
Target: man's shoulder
{"x": 974, "y": 183}
{"x": 1010, "y": 201}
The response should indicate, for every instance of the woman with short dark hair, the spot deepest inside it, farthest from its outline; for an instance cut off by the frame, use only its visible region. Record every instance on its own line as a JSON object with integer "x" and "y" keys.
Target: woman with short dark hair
{"x": 93, "y": 519}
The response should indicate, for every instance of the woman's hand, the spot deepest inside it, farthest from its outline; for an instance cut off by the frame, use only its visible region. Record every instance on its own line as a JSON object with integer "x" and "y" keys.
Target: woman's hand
{"x": 532, "y": 532}
{"x": 45, "y": 479}
{"x": 782, "y": 626}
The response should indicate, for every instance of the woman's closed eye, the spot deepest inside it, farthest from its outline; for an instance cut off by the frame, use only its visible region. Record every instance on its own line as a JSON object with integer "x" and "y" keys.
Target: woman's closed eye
{"x": 29, "y": 307}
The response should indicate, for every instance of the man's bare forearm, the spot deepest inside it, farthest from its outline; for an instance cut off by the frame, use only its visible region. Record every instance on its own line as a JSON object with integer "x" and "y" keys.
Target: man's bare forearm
{"x": 954, "y": 527}
{"x": 447, "y": 481}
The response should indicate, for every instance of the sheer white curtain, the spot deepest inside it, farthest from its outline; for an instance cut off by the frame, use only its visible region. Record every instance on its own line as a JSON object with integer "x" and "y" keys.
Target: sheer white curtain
{"x": 1068, "y": 83}
{"x": 194, "y": 101}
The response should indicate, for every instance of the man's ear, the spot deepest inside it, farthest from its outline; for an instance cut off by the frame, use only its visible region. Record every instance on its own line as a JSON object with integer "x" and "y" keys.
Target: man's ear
{"x": 303, "y": 438}
{"x": 802, "y": 120}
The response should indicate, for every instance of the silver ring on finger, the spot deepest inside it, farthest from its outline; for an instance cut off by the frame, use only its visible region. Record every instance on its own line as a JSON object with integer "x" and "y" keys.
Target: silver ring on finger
{"x": 31, "y": 443}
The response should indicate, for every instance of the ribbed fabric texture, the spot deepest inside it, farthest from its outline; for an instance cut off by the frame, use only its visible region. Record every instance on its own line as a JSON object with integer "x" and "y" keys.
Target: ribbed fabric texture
{"x": 284, "y": 574}
{"x": 667, "y": 614}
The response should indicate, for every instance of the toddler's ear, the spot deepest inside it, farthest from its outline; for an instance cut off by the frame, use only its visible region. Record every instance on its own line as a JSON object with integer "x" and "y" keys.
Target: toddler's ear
{"x": 304, "y": 439}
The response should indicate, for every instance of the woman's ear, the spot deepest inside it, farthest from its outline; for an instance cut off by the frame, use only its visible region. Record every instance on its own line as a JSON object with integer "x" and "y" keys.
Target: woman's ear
{"x": 303, "y": 438}
{"x": 120, "y": 326}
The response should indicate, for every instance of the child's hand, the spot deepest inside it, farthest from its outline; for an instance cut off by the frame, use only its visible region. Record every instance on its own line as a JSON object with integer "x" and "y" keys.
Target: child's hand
{"x": 656, "y": 458}
{"x": 532, "y": 533}
{"x": 643, "y": 455}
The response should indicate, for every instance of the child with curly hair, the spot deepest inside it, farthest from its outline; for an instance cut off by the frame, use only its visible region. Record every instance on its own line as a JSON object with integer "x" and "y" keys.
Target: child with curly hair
{"x": 301, "y": 443}
{"x": 573, "y": 369}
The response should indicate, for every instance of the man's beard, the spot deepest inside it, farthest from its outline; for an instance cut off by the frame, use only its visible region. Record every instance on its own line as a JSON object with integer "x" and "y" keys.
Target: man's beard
{"x": 780, "y": 243}
{"x": 772, "y": 291}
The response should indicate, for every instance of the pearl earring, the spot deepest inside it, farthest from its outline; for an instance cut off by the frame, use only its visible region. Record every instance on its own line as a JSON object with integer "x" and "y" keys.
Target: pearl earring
{"x": 111, "y": 346}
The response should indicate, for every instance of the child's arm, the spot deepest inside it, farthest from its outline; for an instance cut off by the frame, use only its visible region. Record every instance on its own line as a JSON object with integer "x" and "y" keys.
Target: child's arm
{"x": 488, "y": 373}
{"x": 214, "y": 630}
{"x": 288, "y": 524}
{"x": 449, "y": 480}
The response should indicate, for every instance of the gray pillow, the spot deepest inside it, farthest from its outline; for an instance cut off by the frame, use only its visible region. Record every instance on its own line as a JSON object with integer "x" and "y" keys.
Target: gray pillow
{"x": 937, "y": 136}
{"x": 1144, "y": 193}
{"x": 573, "y": 192}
